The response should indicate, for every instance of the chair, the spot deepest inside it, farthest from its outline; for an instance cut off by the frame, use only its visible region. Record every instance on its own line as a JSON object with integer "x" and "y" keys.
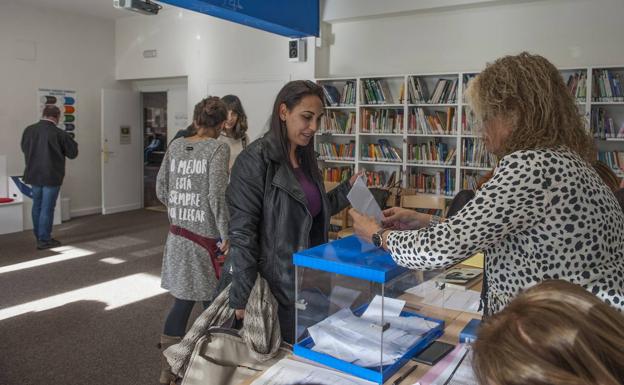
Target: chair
{"x": 341, "y": 219}
{"x": 423, "y": 202}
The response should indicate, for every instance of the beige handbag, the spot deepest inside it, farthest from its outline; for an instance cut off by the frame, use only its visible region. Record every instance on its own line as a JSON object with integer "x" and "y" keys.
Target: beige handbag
{"x": 221, "y": 357}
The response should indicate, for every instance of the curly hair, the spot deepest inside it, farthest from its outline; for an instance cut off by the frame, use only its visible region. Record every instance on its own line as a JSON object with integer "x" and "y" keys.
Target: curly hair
{"x": 529, "y": 92}
{"x": 210, "y": 112}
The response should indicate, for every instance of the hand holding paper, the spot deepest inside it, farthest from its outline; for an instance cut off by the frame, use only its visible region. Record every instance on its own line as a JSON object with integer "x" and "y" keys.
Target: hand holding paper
{"x": 363, "y": 201}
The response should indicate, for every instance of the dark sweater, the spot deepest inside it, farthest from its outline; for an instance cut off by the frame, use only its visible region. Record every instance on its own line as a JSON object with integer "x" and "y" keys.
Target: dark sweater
{"x": 45, "y": 147}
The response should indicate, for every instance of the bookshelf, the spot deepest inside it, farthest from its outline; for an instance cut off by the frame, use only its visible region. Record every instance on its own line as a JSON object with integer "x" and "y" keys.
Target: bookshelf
{"x": 419, "y": 127}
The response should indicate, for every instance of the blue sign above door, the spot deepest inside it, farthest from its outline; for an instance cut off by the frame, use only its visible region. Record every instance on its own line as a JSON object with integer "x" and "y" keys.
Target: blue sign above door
{"x": 290, "y": 18}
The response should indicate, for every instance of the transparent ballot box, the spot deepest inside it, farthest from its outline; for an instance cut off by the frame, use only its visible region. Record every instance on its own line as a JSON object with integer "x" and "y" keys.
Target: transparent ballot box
{"x": 352, "y": 312}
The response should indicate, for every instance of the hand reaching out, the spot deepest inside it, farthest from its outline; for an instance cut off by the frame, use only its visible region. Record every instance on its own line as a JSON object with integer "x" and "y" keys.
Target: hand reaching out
{"x": 399, "y": 218}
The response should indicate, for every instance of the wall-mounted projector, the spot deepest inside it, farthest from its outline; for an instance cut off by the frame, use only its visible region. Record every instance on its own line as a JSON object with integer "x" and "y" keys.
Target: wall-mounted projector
{"x": 145, "y": 7}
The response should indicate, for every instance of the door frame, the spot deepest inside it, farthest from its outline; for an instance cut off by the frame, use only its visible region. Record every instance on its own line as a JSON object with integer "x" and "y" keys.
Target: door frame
{"x": 155, "y": 85}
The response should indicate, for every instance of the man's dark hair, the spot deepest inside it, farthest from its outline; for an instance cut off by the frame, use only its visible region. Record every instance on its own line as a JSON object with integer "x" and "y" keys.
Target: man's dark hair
{"x": 51, "y": 111}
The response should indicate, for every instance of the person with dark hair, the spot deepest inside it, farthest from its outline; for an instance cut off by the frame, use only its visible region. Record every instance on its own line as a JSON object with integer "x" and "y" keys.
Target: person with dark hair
{"x": 545, "y": 213}
{"x": 554, "y": 333}
{"x": 45, "y": 147}
{"x": 235, "y": 129}
{"x": 191, "y": 184}
{"x": 277, "y": 201}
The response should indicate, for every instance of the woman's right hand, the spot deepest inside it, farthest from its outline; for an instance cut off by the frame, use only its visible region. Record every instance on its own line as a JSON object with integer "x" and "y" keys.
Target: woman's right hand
{"x": 404, "y": 219}
{"x": 240, "y": 313}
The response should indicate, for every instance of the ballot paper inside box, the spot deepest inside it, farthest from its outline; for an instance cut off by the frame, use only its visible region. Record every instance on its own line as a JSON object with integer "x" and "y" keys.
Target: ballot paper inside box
{"x": 350, "y": 311}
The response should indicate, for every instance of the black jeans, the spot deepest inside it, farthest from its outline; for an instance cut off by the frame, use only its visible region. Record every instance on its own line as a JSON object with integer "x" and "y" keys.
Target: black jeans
{"x": 175, "y": 325}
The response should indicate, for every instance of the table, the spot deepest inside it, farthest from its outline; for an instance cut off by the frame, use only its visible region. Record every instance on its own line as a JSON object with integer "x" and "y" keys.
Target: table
{"x": 454, "y": 323}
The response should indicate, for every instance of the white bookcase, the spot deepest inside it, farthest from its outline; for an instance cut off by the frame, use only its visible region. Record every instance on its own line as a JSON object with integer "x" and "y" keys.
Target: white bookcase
{"x": 399, "y": 107}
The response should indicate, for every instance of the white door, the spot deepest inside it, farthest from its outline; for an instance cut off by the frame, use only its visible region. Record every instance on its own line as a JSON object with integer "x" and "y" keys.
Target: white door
{"x": 121, "y": 151}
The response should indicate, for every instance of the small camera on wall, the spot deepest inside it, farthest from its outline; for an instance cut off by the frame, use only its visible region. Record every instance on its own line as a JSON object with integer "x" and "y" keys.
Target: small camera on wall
{"x": 297, "y": 50}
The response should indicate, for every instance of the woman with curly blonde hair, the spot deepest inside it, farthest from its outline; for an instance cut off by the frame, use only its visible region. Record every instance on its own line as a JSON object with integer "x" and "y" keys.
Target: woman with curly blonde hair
{"x": 554, "y": 333}
{"x": 545, "y": 213}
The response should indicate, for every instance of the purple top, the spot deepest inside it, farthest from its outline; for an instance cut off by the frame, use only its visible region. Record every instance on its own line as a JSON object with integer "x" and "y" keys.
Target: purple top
{"x": 311, "y": 191}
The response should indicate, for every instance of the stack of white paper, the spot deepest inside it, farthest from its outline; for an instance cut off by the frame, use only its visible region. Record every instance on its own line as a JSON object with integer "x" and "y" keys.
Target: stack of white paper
{"x": 359, "y": 339}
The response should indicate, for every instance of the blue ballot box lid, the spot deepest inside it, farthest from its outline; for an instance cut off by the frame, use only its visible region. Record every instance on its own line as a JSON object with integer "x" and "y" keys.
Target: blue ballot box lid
{"x": 352, "y": 257}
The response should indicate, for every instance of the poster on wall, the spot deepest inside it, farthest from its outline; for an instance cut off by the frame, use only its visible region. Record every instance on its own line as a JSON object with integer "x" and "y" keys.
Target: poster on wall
{"x": 65, "y": 100}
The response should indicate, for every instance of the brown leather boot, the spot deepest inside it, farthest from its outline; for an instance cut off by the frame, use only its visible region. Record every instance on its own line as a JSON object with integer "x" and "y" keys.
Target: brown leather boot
{"x": 166, "y": 376}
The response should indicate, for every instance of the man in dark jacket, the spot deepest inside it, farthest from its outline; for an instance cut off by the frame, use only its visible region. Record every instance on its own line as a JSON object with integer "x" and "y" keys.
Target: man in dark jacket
{"x": 45, "y": 148}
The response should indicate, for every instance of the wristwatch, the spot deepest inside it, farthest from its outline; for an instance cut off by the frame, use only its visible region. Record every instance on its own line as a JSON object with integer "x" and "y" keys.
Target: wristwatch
{"x": 435, "y": 220}
{"x": 378, "y": 238}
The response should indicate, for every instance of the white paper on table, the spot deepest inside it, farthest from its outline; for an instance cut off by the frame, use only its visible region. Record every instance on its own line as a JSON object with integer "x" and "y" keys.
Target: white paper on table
{"x": 343, "y": 297}
{"x": 363, "y": 201}
{"x": 449, "y": 298}
{"x": 392, "y": 307}
{"x": 423, "y": 289}
{"x": 288, "y": 371}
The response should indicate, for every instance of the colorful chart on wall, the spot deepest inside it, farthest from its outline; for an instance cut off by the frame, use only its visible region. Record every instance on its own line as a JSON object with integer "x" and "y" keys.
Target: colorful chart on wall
{"x": 65, "y": 100}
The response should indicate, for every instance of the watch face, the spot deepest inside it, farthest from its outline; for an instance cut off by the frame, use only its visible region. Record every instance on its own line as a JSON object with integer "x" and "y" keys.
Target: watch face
{"x": 376, "y": 240}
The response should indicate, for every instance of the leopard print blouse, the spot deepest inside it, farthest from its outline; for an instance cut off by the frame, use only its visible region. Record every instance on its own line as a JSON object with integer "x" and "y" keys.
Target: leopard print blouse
{"x": 545, "y": 214}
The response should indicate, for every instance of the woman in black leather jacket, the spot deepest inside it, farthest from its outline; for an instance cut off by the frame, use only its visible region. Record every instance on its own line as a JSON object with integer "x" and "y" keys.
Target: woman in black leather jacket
{"x": 277, "y": 201}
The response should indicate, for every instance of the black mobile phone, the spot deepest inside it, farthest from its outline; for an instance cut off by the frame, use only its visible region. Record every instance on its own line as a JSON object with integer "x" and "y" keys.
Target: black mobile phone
{"x": 434, "y": 353}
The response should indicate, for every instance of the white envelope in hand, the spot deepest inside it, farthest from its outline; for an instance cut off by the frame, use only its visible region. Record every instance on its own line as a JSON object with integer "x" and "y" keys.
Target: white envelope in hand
{"x": 363, "y": 201}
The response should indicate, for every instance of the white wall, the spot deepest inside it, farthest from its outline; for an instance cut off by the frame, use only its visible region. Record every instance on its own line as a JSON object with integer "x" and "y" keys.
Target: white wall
{"x": 567, "y": 32}
{"x": 72, "y": 52}
{"x": 215, "y": 55}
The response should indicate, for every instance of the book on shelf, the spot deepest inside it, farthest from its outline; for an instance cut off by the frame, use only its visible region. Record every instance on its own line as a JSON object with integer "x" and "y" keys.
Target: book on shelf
{"x": 431, "y": 152}
{"x": 337, "y": 174}
{"x": 462, "y": 278}
{"x": 417, "y": 90}
{"x": 375, "y": 91}
{"x": 475, "y": 154}
{"x": 439, "y": 183}
{"x": 438, "y": 122}
{"x": 337, "y": 122}
{"x": 577, "y": 85}
{"x": 380, "y": 178}
{"x": 604, "y": 126}
{"x": 348, "y": 94}
{"x": 607, "y": 86}
{"x": 470, "y": 181}
{"x": 382, "y": 151}
{"x": 332, "y": 95}
{"x": 445, "y": 92}
{"x": 383, "y": 121}
{"x": 337, "y": 151}
{"x": 615, "y": 160}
